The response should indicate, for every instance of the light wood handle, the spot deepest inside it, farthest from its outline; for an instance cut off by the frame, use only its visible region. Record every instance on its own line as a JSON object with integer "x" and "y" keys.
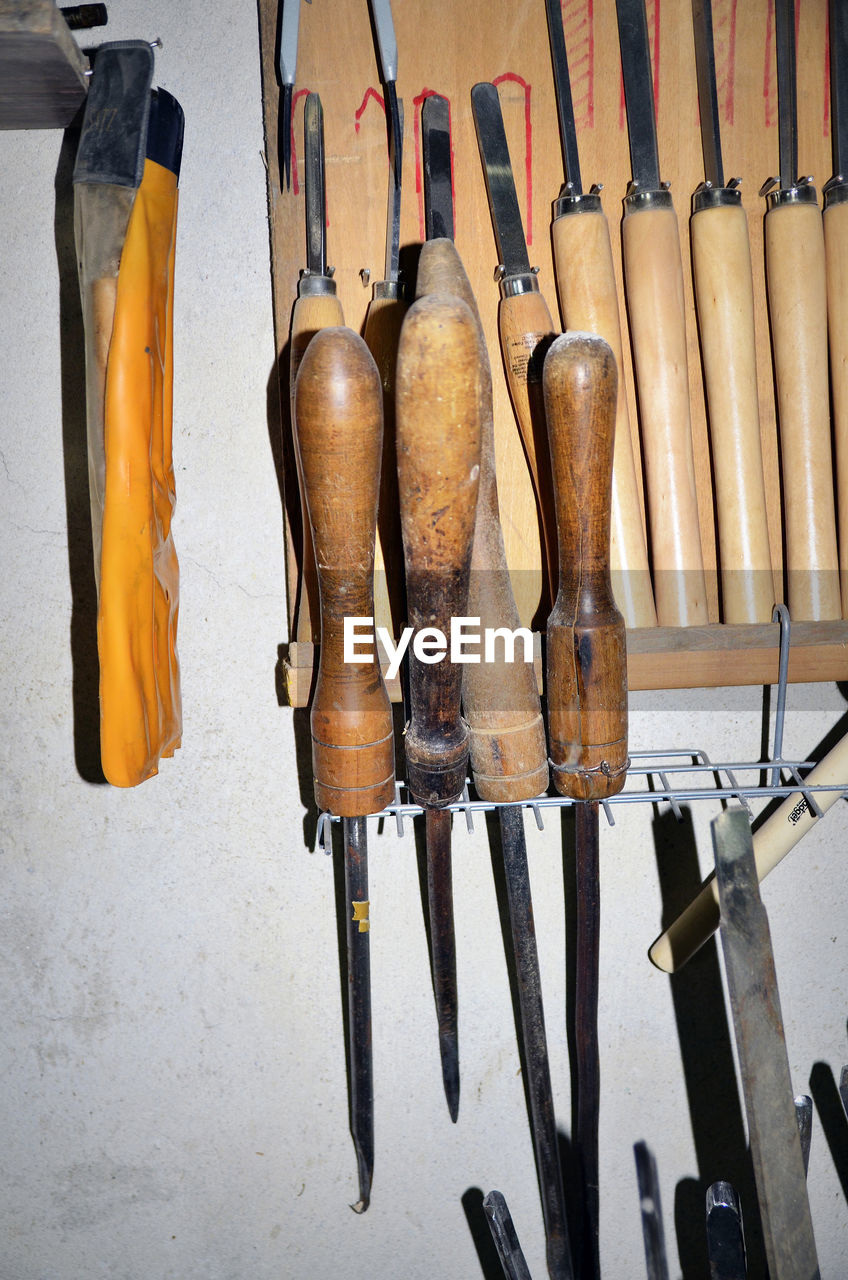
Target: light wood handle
{"x": 310, "y": 313}
{"x": 438, "y": 449}
{"x": 724, "y": 292}
{"x": 588, "y": 301}
{"x": 779, "y": 834}
{"x": 383, "y": 321}
{"x": 525, "y": 329}
{"x": 835, "y": 221}
{"x": 798, "y": 311}
{"x": 339, "y": 430}
{"x": 500, "y": 699}
{"x": 587, "y": 659}
{"x": 654, "y": 278}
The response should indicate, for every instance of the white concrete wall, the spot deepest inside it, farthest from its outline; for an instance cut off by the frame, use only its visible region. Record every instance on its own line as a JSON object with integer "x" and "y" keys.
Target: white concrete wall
{"x": 173, "y": 1097}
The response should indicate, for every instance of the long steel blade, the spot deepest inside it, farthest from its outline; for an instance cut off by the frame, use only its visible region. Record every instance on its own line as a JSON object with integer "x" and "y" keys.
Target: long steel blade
{"x": 587, "y": 1064}
{"x": 638, "y": 93}
{"x": 512, "y": 1259}
{"x": 755, "y": 1002}
{"x": 443, "y": 943}
{"x": 316, "y": 207}
{"x": 531, "y": 1012}
{"x": 839, "y": 84}
{"x": 387, "y": 47}
{"x": 438, "y": 192}
{"x": 503, "y": 201}
{"x": 787, "y": 104}
{"x": 393, "y": 204}
{"x": 653, "y": 1235}
{"x": 287, "y": 70}
{"x": 702, "y": 13}
{"x": 359, "y": 1003}
{"x": 804, "y": 1117}
{"x": 725, "y": 1237}
{"x": 565, "y": 107}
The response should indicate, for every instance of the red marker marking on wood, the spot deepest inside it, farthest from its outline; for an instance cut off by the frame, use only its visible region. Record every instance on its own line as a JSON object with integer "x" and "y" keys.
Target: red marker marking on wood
{"x": 370, "y": 92}
{"x": 528, "y": 148}
{"x": 578, "y": 20}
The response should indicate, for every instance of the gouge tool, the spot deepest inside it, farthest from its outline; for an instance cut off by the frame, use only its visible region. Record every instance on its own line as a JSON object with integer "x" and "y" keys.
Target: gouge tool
{"x": 510, "y": 1254}
{"x": 287, "y": 72}
{"x": 338, "y": 417}
{"x": 725, "y": 1237}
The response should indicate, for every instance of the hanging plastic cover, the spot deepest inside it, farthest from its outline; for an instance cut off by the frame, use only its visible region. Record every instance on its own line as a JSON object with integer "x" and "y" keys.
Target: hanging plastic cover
{"x": 125, "y": 210}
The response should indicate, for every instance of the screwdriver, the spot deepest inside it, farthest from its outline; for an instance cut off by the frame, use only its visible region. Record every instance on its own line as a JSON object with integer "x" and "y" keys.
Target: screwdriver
{"x": 339, "y": 429}
{"x": 586, "y": 682}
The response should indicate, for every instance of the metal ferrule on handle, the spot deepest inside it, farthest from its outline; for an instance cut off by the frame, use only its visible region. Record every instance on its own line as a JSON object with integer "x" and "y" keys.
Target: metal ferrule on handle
{"x": 513, "y": 286}
{"x": 709, "y": 197}
{"x": 636, "y": 199}
{"x": 835, "y": 191}
{"x": 802, "y": 192}
{"x": 392, "y": 290}
{"x": 312, "y": 286}
{"x": 573, "y": 202}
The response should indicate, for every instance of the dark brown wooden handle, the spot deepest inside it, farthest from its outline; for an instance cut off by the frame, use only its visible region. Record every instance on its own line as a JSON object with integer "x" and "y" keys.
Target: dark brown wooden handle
{"x": 339, "y": 433}
{"x": 587, "y": 659}
{"x": 500, "y": 699}
{"x": 438, "y": 448}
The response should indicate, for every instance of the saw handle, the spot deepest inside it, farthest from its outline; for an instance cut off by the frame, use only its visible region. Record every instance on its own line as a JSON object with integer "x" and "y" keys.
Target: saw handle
{"x": 797, "y": 296}
{"x": 588, "y": 301}
{"x": 438, "y": 450}
{"x": 587, "y": 657}
{"x": 500, "y": 699}
{"x": 654, "y": 277}
{"x": 724, "y": 293}
{"x": 338, "y": 419}
{"x": 311, "y": 313}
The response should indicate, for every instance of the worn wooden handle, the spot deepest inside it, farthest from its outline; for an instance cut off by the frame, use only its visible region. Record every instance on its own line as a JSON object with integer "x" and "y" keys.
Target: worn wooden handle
{"x": 587, "y": 658}
{"x": 500, "y": 699}
{"x": 588, "y": 302}
{"x": 798, "y": 311}
{"x": 383, "y": 321}
{"x": 310, "y": 313}
{"x": 778, "y": 835}
{"x": 526, "y": 330}
{"x": 339, "y": 429}
{"x": 835, "y": 221}
{"x": 438, "y": 448}
{"x": 654, "y": 277}
{"x": 724, "y": 293}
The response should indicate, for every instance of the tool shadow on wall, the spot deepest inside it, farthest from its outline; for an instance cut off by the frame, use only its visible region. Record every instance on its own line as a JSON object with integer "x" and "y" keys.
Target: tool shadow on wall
{"x": 704, "y": 1036}
{"x": 83, "y": 628}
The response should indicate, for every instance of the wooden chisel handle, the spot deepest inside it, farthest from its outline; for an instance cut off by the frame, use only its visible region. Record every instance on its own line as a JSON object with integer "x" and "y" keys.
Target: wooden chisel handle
{"x": 772, "y": 841}
{"x": 525, "y": 329}
{"x": 724, "y": 293}
{"x": 587, "y": 657}
{"x": 798, "y": 310}
{"x": 835, "y": 221}
{"x": 500, "y": 699}
{"x": 438, "y": 449}
{"x": 338, "y": 419}
{"x": 654, "y": 279}
{"x": 588, "y": 302}
{"x": 312, "y": 311}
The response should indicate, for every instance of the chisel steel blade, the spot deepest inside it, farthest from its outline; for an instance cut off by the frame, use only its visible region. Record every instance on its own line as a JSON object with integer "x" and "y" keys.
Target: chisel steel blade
{"x": 287, "y": 70}
{"x": 354, "y": 831}
{"x": 443, "y": 940}
{"x": 638, "y": 93}
{"x": 436, "y": 143}
{"x": 387, "y": 48}
{"x": 702, "y": 13}
{"x": 316, "y": 206}
{"x": 500, "y": 185}
{"x": 565, "y": 108}
{"x": 511, "y": 1257}
{"x": 393, "y": 202}
{"x": 725, "y": 1238}
{"x": 787, "y": 103}
{"x": 839, "y": 85}
{"x": 755, "y": 1002}
{"x": 652, "y": 1227}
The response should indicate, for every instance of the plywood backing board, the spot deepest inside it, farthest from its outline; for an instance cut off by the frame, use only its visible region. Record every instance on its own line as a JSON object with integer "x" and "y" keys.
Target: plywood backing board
{"x": 42, "y": 70}
{"x": 446, "y": 48}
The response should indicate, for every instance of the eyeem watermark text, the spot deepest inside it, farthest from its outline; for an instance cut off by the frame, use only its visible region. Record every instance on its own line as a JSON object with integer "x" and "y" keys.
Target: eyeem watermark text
{"x": 466, "y": 643}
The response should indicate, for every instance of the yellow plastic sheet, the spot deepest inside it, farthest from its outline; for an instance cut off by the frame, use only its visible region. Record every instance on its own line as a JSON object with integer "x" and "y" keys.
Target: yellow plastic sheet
{"x": 140, "y": 707}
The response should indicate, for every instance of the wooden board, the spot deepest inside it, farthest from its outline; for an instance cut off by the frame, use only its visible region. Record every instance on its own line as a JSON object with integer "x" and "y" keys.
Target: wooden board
{"x": 448, "y": 48}
{"x": 42, "y": 70}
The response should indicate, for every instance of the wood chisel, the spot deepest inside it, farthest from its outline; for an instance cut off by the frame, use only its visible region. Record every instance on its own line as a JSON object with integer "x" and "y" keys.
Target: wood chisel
{"x": 653, "y": 1234}
{"x": 724, "y": 293}
{"x": 381, "y": 12}
{"x": 338, "y": 416}
{"x": 525, "y": 327}
{"x": 586, "y": 683}
{"x": 725, "y": 1236}
{"x": 588, "y": 301}
{"x": 287, "y": 72}
{"x": 438, "y": 458}
{"x": 764, "y": 1066}
{"x": 797, "y": 294}
{"x": 500, "y": 698}
{"x": 653, "y": 274}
